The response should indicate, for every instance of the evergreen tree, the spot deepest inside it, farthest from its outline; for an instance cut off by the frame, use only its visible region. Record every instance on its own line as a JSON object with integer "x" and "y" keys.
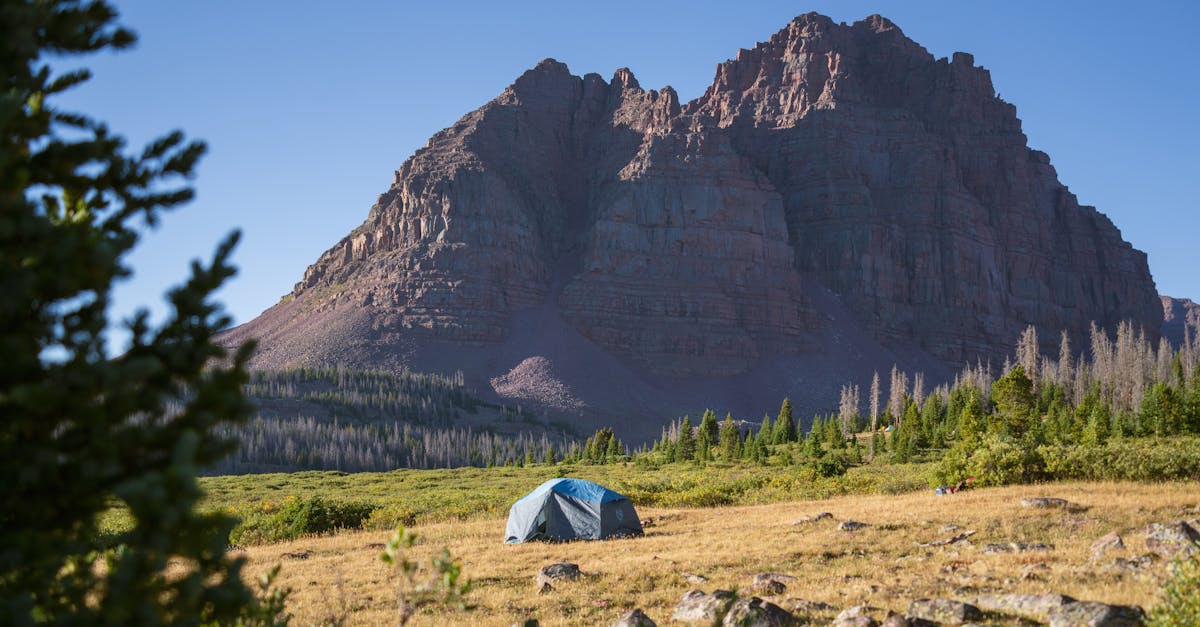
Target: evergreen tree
{"x": 729, "y": 439}
{"x": 685, "y": 445}
{"x": 785, "y": 426}
{"x": 812, "y": 443}
{"x": 703, "y": 444}
{"x": 615, "y": 449}
{"x": 81, "y": 431}
{"x": 708, "y": 424}
{"x": 970, "y": 423}
{"x": 833, "y": 433}
{"x": 1015, "y": 403}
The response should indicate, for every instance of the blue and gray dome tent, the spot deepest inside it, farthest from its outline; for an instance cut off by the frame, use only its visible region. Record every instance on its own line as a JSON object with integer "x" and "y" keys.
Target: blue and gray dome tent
{"x": 571, "y": 509}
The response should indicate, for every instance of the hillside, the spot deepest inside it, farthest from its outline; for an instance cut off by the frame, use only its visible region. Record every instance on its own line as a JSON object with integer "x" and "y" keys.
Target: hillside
{"x": 837, "y": 200}
{"x": 355, "y": 420}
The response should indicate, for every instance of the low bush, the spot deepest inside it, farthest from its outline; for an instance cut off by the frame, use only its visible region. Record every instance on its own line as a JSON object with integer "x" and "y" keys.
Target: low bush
{"x": 1180, "y": 605}
{"x": 1141, "y": 459}
{"x": 300, "y": 517}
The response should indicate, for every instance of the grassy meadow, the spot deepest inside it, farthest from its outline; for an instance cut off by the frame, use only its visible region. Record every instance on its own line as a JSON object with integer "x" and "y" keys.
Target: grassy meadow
{"x": 418, "y": 497}
{"x": 341, "y": 578}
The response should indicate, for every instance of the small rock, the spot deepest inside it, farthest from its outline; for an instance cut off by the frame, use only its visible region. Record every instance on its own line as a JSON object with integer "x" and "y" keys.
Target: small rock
{"x": 812, "y": 519}
{"x": 1033, "y": 571}
{"x": 1169, "y": 539}
{"x": 943, "y": 611}
{"x": 1044, "y": 502}
{"x": 807, "y": 607}
{"x": 1110, "y": 542}
{"x": 1093, "y": 614}
{"x": 961, "y": 537}
{"x": 562, "y": 571}
{"x": 528, "y": 622}
{"x": 949, "y": 528}
{"x": 1035, "y": 607}
{"x": 851, "y": 525}
{"x": 693, "y": 578}
{"x": 1017, "y": 547}
{"x": 772, "y": 583}
{"x": 1133, "y": 565}
{"x": 895, "y": 620}
{"x": 857, "y": 616}
{"x": 708, "y": 609}
{"x": 545, "y": 588}
{"x": 634, "y": 618}
{"x": 755, "y": 612}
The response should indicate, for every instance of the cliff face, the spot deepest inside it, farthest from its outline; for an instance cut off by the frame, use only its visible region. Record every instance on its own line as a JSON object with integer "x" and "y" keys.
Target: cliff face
{"x": 835, "y": 181}
{"x": 1180, "y": 316}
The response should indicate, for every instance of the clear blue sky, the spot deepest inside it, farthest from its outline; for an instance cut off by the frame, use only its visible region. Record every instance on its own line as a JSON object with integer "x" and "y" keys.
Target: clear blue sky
{"x": 309, "y": 107}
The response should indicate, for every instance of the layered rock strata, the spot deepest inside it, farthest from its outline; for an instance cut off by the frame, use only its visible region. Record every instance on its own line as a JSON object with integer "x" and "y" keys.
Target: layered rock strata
{"x": 835, "y": 178}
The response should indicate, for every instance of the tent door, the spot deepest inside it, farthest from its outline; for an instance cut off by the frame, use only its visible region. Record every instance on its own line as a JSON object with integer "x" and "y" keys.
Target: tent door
{"x": 540, "y": 524}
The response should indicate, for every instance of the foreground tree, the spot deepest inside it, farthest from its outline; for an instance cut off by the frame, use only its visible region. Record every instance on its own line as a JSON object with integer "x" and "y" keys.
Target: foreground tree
{"x": 82, "y": 432}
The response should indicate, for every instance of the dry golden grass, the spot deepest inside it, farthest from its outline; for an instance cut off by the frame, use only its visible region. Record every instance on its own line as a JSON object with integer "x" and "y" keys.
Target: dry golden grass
{"x": 880, "y": 566}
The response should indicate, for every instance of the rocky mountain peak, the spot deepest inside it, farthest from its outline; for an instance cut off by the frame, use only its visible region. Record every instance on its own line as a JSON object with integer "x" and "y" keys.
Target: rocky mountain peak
{"x": 623, "y": 79}
{"x": 836, "y": 201}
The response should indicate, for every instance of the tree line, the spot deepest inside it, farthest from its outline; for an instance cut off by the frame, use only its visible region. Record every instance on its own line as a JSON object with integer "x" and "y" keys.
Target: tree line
{"x": 1014, "y": 423}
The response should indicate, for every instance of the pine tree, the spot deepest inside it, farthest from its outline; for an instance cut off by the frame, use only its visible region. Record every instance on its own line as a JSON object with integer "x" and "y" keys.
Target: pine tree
{"x": 708, "y": 424}
{"x": 785, "y": 426}
{"x": 81, "y": 431}
{"x": 615, "y": 449}
{"x": 729, "y": 439}
{"x": 685, "y": 445}
{"x": 812, "y": 443}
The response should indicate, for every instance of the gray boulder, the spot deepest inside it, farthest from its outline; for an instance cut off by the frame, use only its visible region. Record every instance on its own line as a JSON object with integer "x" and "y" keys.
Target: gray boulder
{"x": 1044, "y": 502}
{"x": 561, "y": 571}
{"x": 634, "y": 618}
{"x": 1170, "y": 539}
{"x": 772, "y": 583}
{"x": 852, "y": 525}
{"x": 756, "y": 612}
{"x": 1093, "y": 614}
{"x": 703, "y": 609}
{"x": 1106, "y": 543}
{"x": 946, "y": 611}
{"x": 1035, "y": 607}
{"x": 857, "y": 616}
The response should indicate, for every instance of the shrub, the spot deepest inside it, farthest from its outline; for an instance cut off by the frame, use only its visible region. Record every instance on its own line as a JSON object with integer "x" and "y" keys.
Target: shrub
{"x": 1141, "y": 459}
{"x": 1001, "y": 460}
{"x": 827, "y": 467}
{"x": 1180, "y": 605}
{"x": 297, "y": 518}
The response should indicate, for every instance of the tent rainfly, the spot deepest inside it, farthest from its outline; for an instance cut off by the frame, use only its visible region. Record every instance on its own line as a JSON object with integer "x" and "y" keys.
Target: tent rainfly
{"x": 571, "y": 509}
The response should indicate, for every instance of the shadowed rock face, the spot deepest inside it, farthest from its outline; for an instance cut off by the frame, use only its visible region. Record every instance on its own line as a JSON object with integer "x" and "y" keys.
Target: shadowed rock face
{"x": 1180, "y": 316}
{"x": 834, "y": 182}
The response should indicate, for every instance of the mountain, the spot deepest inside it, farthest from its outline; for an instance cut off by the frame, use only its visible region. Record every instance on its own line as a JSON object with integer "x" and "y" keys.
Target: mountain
{"x": 1180, "y": 315}
{"x": 838, "y": 200}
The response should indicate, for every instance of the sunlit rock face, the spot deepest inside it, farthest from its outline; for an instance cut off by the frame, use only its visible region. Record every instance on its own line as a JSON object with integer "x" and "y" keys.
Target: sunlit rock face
{"x": 835, "y": 180}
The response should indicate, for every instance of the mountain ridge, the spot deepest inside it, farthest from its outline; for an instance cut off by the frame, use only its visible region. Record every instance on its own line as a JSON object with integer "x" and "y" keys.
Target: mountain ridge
{"x": 836, "y": 201}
